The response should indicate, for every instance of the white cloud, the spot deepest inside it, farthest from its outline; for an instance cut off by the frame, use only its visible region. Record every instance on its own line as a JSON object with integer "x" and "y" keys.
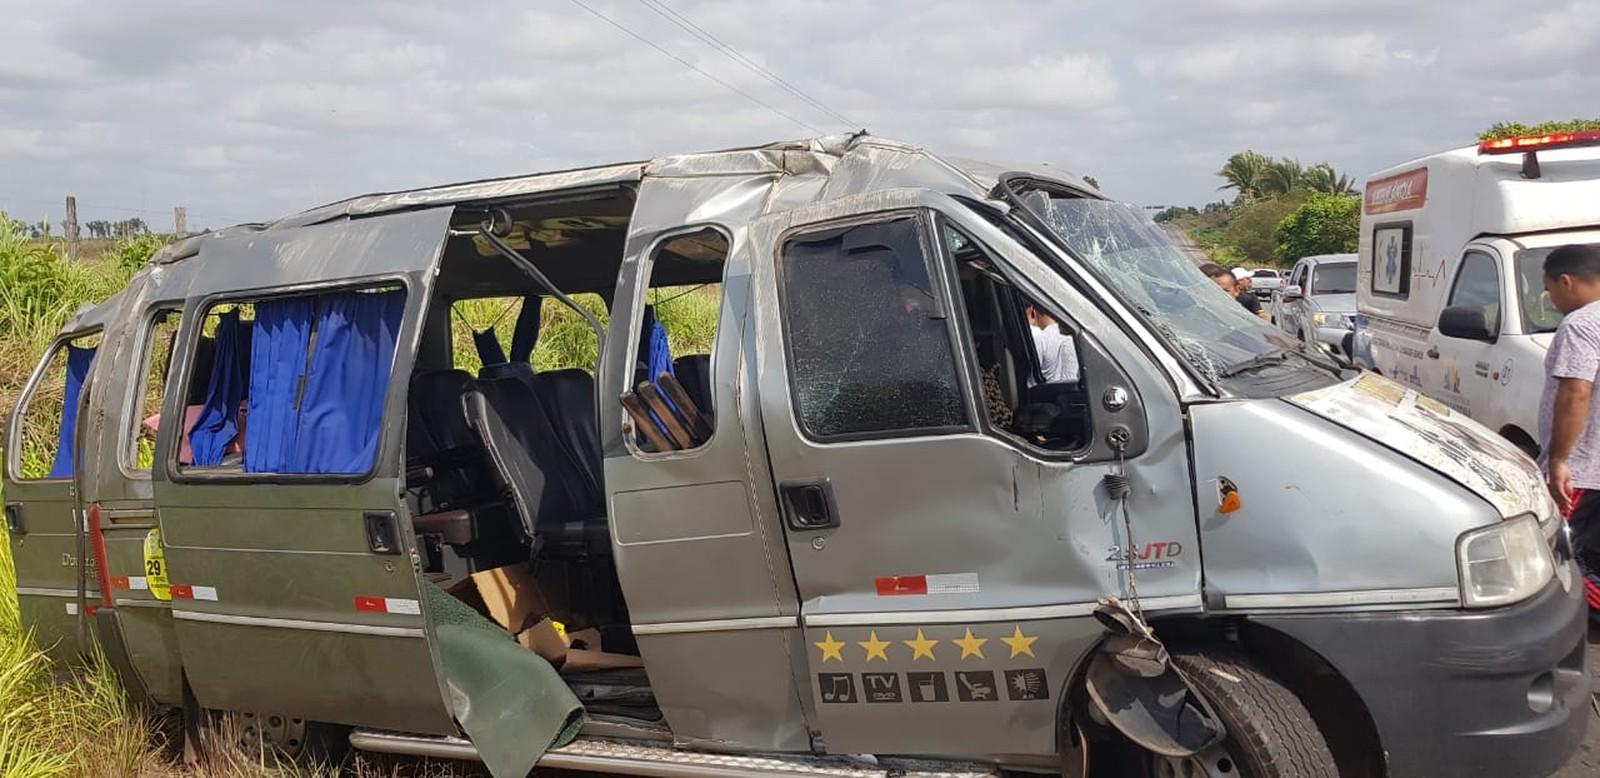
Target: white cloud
{"x": 1562, "y": 33}
{"x": 255, "y": 110}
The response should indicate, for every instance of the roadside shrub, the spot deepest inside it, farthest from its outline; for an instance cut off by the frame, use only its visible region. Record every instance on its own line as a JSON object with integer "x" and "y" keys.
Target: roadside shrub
{"x": 134, "y": 253}
{"x": 1326, "y": 224}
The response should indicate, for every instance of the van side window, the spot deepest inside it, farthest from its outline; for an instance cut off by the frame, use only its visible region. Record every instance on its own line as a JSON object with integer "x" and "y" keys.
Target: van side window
{"x": 1478, "y": 286}
{"x": 140, "y": 449}
{"x": 48, "y": 422}
{"x": 674, "y": 335}
{"x": 1026, "y": 353}
{"x": 483, "y": 331}
{"x": 868, "y": 342}
{"x": 291, "y": 385}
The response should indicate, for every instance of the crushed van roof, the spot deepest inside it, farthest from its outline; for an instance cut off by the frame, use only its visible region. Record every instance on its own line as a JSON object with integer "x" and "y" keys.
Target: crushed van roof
{"x": 810, "y": 156}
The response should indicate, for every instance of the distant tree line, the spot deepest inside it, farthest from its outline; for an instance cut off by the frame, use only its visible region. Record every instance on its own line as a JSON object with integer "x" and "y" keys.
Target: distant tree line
{"x": 1281, "y": 210}
{"x": 99, "y": 228}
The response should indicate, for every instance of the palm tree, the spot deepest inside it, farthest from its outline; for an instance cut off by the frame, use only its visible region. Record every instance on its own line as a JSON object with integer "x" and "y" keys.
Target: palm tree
{"x": 1244, "y": 172}
{"x": 1282, "y": 177}
{"x": 1323, "y": 178}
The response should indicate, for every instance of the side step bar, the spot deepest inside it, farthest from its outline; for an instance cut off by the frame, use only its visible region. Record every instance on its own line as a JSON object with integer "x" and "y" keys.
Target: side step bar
{"x": 663, "y": 761}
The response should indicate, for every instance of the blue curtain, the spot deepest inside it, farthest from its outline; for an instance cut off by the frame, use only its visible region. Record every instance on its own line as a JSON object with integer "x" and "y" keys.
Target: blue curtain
{"x": 660, "y": 353}
{"x": 218, "y": 423}
{"x": 341, "y": 414}
{"x": 78, "y": 362}
{"x": 278, "y": 350}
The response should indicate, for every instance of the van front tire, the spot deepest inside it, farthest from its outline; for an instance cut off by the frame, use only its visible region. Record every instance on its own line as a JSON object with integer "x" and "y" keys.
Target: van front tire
{"x": 1270, "y": 732}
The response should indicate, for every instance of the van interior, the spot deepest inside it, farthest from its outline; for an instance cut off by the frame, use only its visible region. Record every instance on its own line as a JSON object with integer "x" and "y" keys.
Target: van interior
{"x": 504, "y": 467}
{"x": 503, "y": 471}
{"x": 1022, "y": 402}
{"x": 503, "y": 464}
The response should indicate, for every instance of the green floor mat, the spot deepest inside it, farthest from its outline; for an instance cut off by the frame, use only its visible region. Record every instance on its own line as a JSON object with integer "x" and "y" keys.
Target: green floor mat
{"x": 510, "y": 701}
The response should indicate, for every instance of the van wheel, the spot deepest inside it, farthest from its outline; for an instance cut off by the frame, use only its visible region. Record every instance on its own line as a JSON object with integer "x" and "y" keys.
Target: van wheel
{"x": 1270, "y": 732}
{"x": 274, "y": 735}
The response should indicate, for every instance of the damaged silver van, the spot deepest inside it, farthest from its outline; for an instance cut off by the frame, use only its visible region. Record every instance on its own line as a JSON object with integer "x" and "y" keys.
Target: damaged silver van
{"x": 845, "y": 525}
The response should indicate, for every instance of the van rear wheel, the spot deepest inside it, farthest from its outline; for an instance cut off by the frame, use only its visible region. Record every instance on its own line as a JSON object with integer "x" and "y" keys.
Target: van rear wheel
{"x": 1270, "y": 732}
{"x": 277, "y": 736}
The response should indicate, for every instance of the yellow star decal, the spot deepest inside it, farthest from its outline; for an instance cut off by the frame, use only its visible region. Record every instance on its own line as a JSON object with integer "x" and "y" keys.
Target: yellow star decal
{"x": 1021, "y": 645}
{"x": 876, "y": 649}
{"x": 970, "y": 645}
{"x": 921, "y": 647}
{"x": 830, "y": 648}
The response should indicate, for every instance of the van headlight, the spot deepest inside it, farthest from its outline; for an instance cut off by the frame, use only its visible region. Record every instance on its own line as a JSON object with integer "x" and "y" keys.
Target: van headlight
{"x": 1504, "y": 563}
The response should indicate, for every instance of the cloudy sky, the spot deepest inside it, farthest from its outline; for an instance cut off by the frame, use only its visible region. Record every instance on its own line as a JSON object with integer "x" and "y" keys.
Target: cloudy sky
{"x": 270, "y": 108}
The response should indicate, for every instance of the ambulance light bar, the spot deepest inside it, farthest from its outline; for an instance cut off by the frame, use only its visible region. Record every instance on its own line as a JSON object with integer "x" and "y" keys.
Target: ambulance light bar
{"x": 1554, "y": 140}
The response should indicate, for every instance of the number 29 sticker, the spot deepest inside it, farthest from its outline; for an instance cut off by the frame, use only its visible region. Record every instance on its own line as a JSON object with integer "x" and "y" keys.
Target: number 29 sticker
{"x": 155, "y": 566}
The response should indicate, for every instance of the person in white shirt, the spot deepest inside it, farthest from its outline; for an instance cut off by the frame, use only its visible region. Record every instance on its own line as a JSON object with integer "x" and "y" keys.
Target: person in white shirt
{"x": 1058, "y": 354}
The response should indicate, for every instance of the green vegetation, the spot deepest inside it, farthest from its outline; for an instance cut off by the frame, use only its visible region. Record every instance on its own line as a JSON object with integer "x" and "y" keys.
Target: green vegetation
{"x": 1514, "y": 129}
{"x": 1324, "y": 224}
{"x": 1280, "y": 209}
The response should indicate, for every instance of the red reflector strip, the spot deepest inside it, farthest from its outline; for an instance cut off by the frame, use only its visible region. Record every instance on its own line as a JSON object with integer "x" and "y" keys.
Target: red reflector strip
{"x": 895, "y": 585}
{"x": 391, "y": 605}
{"x": 1554, "y": 140}
{"x": 370, "y": 604}
{"x": 120, "y": 582}
{"x": 181, "y": 591}
{"x": 97, "y": 543}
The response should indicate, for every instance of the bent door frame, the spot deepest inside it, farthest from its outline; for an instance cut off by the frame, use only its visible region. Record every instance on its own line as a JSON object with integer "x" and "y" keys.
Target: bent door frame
{"x": 289, "y": 608}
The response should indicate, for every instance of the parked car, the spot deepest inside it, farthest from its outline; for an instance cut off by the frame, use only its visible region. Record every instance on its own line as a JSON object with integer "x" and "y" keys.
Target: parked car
{"x": 1317, "y": 304}
{"x": 853, "y": 519}
{"x": 1266, "y": 280}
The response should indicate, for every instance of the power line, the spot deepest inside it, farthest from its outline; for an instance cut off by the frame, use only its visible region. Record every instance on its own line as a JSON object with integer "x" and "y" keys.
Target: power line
{"x": 687, "y": 25}
{"x": 690, "y": 65}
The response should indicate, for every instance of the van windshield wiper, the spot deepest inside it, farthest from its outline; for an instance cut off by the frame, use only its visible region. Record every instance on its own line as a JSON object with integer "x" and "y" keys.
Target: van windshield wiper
{"x": 1260, "y": 360}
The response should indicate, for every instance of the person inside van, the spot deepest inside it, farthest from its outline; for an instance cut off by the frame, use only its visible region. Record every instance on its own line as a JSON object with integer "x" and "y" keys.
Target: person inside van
{"x": 1058, "y": 354}
{"x": 1569, "y": 423}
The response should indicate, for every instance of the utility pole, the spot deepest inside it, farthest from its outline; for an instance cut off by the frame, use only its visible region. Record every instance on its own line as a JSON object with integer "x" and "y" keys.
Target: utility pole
{"x": 72, "y": 228}
{"x": 180, "y": 221}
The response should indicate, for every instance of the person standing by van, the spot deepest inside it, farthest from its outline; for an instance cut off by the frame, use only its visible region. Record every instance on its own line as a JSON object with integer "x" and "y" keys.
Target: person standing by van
{"x": 1569, "y": 423}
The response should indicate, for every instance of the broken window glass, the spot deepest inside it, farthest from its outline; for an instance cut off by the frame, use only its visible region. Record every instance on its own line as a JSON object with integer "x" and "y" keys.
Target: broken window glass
{"x": 868, "y": 343}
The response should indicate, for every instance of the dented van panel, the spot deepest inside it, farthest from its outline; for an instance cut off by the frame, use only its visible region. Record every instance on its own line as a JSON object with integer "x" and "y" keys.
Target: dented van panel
{"x": 853, "y": 517}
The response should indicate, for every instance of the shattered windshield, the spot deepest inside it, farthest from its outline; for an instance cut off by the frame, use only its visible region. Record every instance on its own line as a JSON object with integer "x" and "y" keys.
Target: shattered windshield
{"x": 1213, "y": 332}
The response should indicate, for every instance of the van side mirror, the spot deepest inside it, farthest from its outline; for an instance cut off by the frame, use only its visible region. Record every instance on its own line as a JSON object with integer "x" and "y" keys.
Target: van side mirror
{"x": 1467, "y": 322}
{"x": 1293, "y": 292}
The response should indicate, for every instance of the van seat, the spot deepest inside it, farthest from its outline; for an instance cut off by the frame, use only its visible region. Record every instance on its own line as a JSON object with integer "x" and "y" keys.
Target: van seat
{"x": 568, "y": 397}
{"x": 548, "y": 489}
{"x": 441, "y": 446}
{"x": 693, "y": 372}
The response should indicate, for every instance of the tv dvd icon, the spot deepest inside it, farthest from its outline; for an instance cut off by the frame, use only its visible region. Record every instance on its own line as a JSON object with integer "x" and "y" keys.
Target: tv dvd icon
{"x": 881, "y": 687}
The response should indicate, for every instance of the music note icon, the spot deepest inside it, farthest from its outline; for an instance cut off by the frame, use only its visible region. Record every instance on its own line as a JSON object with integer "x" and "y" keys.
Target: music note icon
{"x": 837, "y": 687}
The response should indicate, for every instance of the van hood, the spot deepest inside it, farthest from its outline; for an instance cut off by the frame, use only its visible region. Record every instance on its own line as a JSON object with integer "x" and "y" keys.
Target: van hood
{"x": 1334, "y": 303}
{"x": 1439, "y": 438}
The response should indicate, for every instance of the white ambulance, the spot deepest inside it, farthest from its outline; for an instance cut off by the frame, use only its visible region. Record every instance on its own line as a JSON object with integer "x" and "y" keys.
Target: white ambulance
{"x": 1449, "y": 280}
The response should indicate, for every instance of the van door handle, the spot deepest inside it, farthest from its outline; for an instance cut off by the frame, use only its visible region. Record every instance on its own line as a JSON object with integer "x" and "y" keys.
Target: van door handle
{"x": 1433, "y": 352}
{"x": 382, "y": 535}
{"x": 809, "y": 505}
{"x": 14, "y": 523}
